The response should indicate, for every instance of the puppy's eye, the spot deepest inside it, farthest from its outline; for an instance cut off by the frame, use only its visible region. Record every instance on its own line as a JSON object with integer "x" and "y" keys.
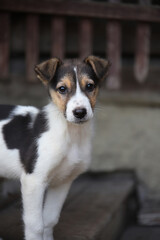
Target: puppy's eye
{"x": 90, "y": 87}
{"x": 62, "y": 89}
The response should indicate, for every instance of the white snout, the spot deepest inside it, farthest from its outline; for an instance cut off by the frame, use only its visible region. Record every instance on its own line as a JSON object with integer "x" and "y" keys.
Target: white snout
{"x": 76, "y": 103}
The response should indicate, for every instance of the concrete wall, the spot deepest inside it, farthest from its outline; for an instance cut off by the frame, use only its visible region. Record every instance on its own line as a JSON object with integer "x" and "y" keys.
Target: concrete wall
{"x": 127, "y": 136}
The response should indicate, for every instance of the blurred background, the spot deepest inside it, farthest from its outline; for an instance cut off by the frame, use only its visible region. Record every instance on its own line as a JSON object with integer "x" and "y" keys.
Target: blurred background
{"x": 127, "y": 122}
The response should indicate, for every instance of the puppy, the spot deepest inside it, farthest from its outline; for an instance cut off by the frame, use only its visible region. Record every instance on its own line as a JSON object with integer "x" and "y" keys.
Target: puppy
{"x": 47, "y": 149}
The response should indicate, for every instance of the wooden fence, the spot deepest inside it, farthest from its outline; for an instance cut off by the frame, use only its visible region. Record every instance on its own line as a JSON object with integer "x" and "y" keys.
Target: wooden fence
{"x": 113, "y": 12}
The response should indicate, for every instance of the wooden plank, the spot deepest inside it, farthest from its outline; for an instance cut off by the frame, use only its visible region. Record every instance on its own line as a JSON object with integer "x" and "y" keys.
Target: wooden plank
{"x": 4, "y": 44}
{"x": 149, "y": 213}
{"x": 58, "y": 37}
{"x": 113, "y": 52}
{"x": 142, "y": 49}
{"x": 141, "y": 233}
{"x": 95, "y": 208}
{"x": 99, "y": 209}
{"x": 85, "y": 9}
{"x": 32, "y": 45}
{"x": 85, "y": 38}
{"x": 11, "y": 225}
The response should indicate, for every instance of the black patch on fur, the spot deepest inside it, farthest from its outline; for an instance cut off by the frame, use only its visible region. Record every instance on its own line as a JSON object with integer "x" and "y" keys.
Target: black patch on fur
{"x": 60, "y": 73}
{"x": 29, "y": 157}
{"x": 68, "y": 68}
{"x": 5, "y": 111}
{"x": 85, "y": 68}
{"x": 19, "y": 134}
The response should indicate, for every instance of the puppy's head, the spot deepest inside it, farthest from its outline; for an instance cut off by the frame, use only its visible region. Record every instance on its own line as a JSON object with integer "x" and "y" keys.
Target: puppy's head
{"x": 73, "y": 85}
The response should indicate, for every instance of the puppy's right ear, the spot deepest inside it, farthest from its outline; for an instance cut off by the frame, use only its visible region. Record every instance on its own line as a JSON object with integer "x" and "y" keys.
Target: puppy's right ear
{"x": 46, "y": 70}
{"x": 99, "y": 65}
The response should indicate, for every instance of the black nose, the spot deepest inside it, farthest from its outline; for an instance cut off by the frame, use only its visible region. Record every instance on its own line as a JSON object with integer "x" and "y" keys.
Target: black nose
{"x": 80, "y": 112}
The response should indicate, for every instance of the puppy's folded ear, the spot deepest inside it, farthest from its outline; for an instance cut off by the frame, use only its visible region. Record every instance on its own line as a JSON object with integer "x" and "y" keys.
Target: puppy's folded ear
{"x": 100, "y": 66}
{"x": 46, "y": 70}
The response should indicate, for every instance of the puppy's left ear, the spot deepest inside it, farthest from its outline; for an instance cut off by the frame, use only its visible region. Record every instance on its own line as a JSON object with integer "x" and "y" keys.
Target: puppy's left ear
{"x": 100, "y": 66}
{"x": 46, "y": 70}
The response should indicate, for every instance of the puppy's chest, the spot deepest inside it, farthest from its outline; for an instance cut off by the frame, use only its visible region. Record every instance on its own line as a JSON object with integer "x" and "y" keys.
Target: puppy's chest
{"x": 75, "y": 162}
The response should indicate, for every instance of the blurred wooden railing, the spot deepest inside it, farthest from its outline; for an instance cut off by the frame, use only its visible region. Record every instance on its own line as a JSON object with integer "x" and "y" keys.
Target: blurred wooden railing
{"x": 113, "y": 12}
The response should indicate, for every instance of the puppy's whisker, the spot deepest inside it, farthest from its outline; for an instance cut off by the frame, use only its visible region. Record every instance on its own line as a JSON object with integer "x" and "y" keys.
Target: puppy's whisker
{"x": 99, "y": 108}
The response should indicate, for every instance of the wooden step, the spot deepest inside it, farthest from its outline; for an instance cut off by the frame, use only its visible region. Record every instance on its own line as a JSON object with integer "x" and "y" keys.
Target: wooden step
{"x": 96, "y": 208}
{"x": 141, "y": 233}
{"x": 149, "y": 213}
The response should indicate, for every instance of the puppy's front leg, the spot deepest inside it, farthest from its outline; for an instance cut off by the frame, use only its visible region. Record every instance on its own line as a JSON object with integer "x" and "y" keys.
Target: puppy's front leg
{"x": 33, "y": 189}
{"x": 55, "y": 198}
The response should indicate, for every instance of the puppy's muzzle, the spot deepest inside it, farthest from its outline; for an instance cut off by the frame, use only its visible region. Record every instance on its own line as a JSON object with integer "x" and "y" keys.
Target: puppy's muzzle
{"x": 79, "y": 113}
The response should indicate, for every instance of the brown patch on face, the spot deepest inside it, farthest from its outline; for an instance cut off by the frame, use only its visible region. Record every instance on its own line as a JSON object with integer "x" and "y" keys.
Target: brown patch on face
{"x": 84, "y": 80}
{"x": 92, "y": 95}
{"x": 61, "y": 99}
{"x": 66, "y": 81}
{"x": 58, "y": 100}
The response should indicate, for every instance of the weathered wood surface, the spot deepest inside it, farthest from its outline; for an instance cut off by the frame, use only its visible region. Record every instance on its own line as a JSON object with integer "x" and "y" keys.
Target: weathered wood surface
{"x": 142, "y": 233}
{"x": 149, "y": 213}
{"x": 84, "y": 9}
{"x": 142, "y": 48}
{"x": 58, "y": 37}
{"x": 4, "y": 44}
{"x": 32, "y": 45}
{"x": 114, "y": 54}
{"x": 95, "y": 209}
{"x": 113, "y": 32}
{"x": 85, "y": 38}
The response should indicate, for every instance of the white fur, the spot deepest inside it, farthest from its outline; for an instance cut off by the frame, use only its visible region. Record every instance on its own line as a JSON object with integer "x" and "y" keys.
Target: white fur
{"x": 54, "y": 200}
{"x": 63, "y": 153}
{"x": 23, "y": 110}
{"x": 79, "y": 100}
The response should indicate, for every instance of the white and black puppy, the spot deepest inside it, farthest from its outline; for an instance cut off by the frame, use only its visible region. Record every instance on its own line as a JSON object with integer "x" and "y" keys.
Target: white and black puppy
{"x": 47, "y": 149}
